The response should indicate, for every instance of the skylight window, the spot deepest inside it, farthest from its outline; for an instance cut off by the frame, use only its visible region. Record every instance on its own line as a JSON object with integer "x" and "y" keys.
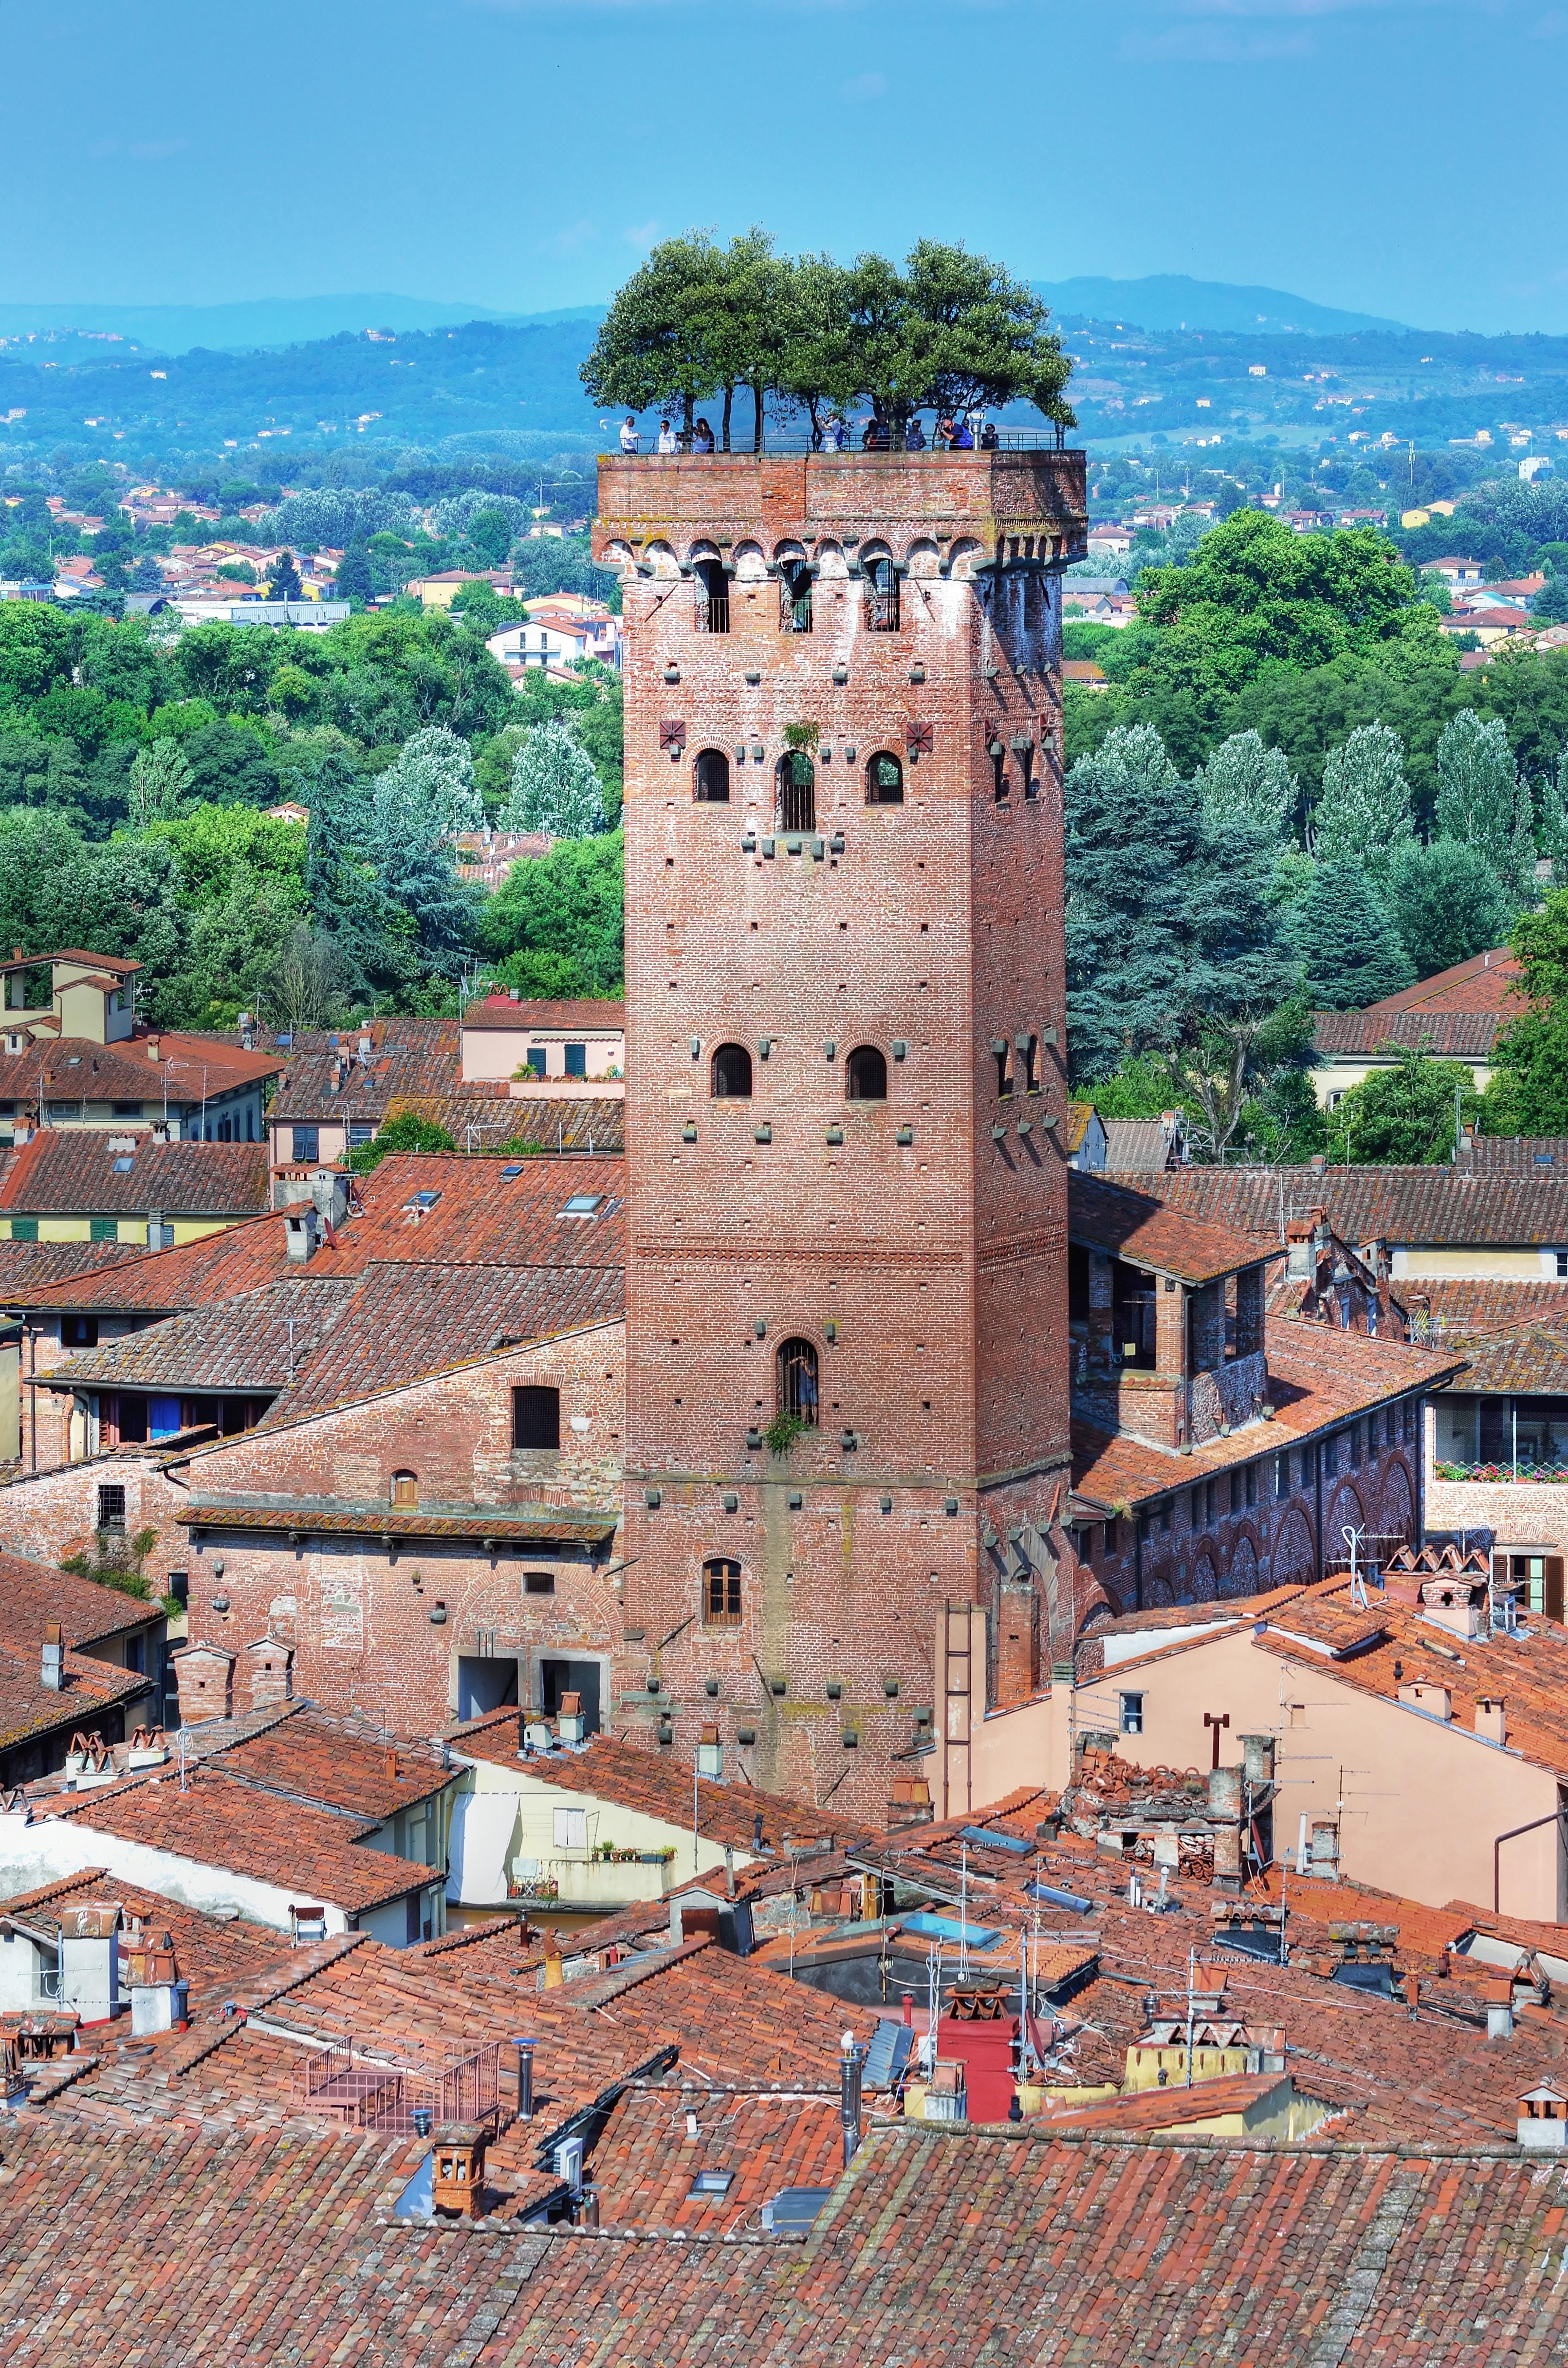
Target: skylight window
{"x": 583, "y": 1204}
{"x": 123, "y": 1166}
{"x": 712, "y": 2183}
{"x": 424, "y": 1200}
{"x": 515, "y": 1170}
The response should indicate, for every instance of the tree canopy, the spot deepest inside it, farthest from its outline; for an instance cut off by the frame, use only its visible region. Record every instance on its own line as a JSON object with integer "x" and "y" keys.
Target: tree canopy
{"x": 944, "y": 331}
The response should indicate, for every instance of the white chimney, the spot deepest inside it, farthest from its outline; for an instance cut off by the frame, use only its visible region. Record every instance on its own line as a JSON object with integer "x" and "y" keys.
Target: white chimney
{"x": 53, "y": 1673}
{"x": 1490, "y": 1720}
{"x": 302, "y": 1226}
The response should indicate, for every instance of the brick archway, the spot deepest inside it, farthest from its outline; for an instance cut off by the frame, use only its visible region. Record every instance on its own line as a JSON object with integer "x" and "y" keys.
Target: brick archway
{"x": 1399, "y": 1503}
{"x": 1346, "y": 1512}
{"x": 1242, "y": 1579}
{"x": 1294, "y": 1559}
{"x": 1202, "y": 1585}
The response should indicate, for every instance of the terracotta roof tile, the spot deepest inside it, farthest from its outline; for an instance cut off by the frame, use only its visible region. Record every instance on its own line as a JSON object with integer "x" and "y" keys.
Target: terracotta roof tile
{"x": 1430, "y": 1206}
{"x": 1482, "y": 984}
{"x": 75, "y": 1171}
{"x": 309, "y": 1853}
{"x": 74, "y": 1068}
{"x": 1141, "y": 1229}
{"x": 1317, "y": 1377}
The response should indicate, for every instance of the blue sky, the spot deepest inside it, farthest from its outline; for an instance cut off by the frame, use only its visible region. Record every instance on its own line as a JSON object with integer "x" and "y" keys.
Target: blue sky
{"x": 1390, "y": 156}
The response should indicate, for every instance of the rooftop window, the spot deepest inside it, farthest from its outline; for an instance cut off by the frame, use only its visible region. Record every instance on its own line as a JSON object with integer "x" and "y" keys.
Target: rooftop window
{"x": 583, "y": 1204}
{"x": 423, "y": 1200}
{"x": 123, "y": 1166}
{"x": 712, "y": 2183}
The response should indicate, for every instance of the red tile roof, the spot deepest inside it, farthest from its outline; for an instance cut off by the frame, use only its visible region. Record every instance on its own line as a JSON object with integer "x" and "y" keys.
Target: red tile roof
{"x": 76, "y": 1172}
{"x": 310, "y": 1852}
{"x": 479, "y": 1217}
{"x": 1484, "y": 984}
{"x": 29, "y": 1710}
{"x": 501, "y": 1011}
{"x": 1416, "y": 1206}
{"x": 74, "y": 1068}
{"x": 1317, "y": 1377}
{"x": 33, "y": 1593}
{"x": 308, "y": 1755}
{"x": 631, "y": 1779}
{"x": 1137, "y": 1227}
{"x": 1447, "y": 1035}
{"x": 649, "y": 2157}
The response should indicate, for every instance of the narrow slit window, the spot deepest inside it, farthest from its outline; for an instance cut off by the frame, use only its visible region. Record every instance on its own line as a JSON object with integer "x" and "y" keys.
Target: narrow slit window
{"x": 797, "y": 791}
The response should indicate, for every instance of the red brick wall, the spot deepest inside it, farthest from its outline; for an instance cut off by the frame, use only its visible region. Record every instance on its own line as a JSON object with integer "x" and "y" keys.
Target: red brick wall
{"x": 939, "y": 1263}
{"x": 357, "y": 1618}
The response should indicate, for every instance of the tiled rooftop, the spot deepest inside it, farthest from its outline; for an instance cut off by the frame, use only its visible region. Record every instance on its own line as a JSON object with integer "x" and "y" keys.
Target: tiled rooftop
{"x": 1447, "y": 1035}
{"x": 33, "y": 1593}
{"x": 1418, "y": 1206}
{"x": 631, "y": 1779}
{"x": 29, "y": 1708}
{"x": 1317, "y": 1377}
{"x": 525, "y": 1012}
{"x": 649, "y": 2157}
{"x": 216, "y": 1821}
{"x": 1482, "y": 984}
{"x": 79, "y": 1171}
{"x": 1137, "y": 1227}
{"x": 310, "y": 1756}
{"x": 75, "y": 1069}
{"x": 479, "y": 1216}
{"x": 1462, "y": 1308}
{"x": 1528, "y": 1358}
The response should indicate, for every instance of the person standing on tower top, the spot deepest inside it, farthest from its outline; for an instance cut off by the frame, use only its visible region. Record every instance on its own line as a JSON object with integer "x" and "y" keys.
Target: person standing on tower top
{"x": 630, "y": 440}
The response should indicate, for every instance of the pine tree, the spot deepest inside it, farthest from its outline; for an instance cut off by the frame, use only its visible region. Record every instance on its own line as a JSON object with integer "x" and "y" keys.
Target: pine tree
{"x": 1245, "y": 781}
{"x": 1351, "y": 951}
{"x": 354, "y": 580}
{"x": 555, "y": 787}
{"x": 1363, "y": 815}
{"x": 285, "y": 584}
{"x": 158, "y": 782}
{"x": 1447, "y": 903}
{"x": 1169, "y": 929}
{"x": 1477, "y": 790}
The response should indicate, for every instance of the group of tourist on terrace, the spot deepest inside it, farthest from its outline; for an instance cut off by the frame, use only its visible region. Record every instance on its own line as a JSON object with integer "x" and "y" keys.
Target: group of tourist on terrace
{"x": 971, "y": 431}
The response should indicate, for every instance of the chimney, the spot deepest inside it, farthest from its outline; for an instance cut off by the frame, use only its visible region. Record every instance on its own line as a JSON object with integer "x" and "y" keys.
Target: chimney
{"x": 53, "y": 1674}
{"x": 710, "y": 1754}
{"x": 204, "y": 1676}
{"x": 1499, "y": 1998}
{"x": 364, "y": 1052}
{"x": 1543, "y": 2119}
{"x": 572, "y": 1724}
{"x": 269, "y": 1673}
{"x": 301, "y": 1226}
{"x": 247, "y": 1031}
{"x": 1434, "y": 1700}
{"x": 851, "y": 2063}
{"x": 525, "y": 2048}
{"x": 1490, "y": 1720}
{"x": 457, "y": 2177}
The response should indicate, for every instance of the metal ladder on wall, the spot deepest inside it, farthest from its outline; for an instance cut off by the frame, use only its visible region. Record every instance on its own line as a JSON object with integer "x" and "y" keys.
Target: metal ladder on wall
{"x": 957, "y": 1699}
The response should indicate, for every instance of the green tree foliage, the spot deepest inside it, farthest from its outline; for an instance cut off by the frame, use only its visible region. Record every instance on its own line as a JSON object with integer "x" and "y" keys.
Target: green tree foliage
{"x": 555, "y": 787}
{"x": 1244, "y": 782}
{"x": 1350, "y": 948}
{"x": 430, "y": 790}
{"x": 1363, "y": 815}
{"x": 1527, "y": 1093}
{"x": 285, "y": 584}
{"x": 1446, "y": 902}
{"x": 1168, "y": 926}
{"x": 1403, "y": 1116}
{"x": 558, "y": 927}
{"x": 1481, "y": 800}
{"x": 945, "y": 331}
{"x": 354, "y": 580}
{"x": 405, "y": 1129}
{"x": 1256, "y": 595}
{"x": 160, "y": 783}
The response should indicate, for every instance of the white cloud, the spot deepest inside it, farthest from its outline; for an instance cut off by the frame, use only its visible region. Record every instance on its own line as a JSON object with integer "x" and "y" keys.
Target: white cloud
{"x": 862, "y": 86}
{"x": 641, "y": 236}
{"x": 574, "y": 238}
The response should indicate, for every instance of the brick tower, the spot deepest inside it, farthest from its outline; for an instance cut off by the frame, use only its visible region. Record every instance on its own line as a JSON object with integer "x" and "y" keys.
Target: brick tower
{"x": 846, "y": 1093}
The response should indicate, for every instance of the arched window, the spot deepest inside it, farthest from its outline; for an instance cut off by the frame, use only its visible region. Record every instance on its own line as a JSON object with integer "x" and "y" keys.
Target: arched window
{"x": 798, "y": 1381}
{"x": 884, "y": 780}
{"x": 1031, "y": 1066}
{"x": 795, "y": 596}
{"x": 866, "y": 1075}
{"x": 405, "y": 1489}
{"x": 721, "y": 1592}
{"x": 732, "y": 1073}
{"x": 711, "y": 777}
{"x": 881, "y": 596}
{"x": 797, "y": 791}
{"x": 712, "y": 589}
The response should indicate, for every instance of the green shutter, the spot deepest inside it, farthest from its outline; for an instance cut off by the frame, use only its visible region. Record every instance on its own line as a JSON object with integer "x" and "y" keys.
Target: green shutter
{"x": 24, "y": 1229}
{"x": 103, "y": 1229}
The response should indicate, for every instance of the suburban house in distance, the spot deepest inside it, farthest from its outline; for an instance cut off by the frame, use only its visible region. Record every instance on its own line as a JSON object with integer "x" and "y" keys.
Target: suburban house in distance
{"x": 1456, "y": 1016}
{"x": 81, "y": 1185}
{"x": 339, "y": 1090}
{"x": 81, "y": 1057}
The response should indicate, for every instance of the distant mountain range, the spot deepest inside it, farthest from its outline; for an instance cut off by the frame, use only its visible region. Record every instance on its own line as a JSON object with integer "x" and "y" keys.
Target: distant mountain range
{"x": 1169, "y": 300}
{"x": 267, "y": 322}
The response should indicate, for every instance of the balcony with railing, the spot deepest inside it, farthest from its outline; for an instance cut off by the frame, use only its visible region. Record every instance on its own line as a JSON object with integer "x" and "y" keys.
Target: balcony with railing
{"x": 365, "y": 2094}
